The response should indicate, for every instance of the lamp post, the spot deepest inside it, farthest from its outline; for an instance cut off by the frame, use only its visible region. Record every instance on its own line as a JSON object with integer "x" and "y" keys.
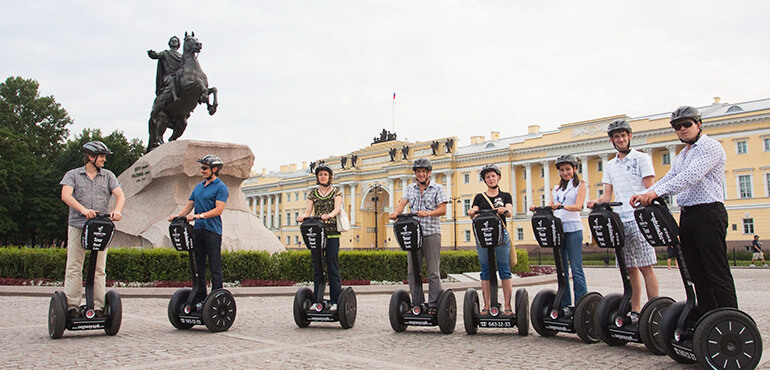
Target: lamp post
{"x": 454, "y": 200}
{"x": 375, "y": 199}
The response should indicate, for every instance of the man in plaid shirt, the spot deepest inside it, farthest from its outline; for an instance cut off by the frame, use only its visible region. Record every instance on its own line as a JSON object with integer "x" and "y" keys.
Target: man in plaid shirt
{"x": 428, "y": 201}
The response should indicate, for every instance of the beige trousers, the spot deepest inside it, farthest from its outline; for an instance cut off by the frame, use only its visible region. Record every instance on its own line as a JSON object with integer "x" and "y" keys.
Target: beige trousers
{"x": 73, "y": 278}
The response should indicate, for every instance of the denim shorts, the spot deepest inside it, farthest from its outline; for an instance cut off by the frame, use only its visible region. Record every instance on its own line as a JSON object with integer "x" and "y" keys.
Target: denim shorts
{"x": 502, "y": 258}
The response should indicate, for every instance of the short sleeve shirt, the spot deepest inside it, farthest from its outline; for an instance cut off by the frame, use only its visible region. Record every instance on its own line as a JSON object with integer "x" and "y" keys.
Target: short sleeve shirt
{"x": 92, "y": 194}
{"x": 325, "y": 205}
{"x": 625, "y": 175}
{"x": 205, "y": 198}
{"x": 428, "y": 200}
{"x": 500, "y": 200}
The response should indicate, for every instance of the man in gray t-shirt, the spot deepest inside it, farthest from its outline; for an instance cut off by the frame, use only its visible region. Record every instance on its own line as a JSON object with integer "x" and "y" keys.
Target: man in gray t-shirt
{"x": 87, "y": 190}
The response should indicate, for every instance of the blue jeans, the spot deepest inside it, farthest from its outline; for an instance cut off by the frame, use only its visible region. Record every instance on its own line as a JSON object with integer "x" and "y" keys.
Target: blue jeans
{"x": 333, "y": 271}
{"x": 207, "y": 246}
{"x": 572, "y": 255}
{"x": 502, "y": 258}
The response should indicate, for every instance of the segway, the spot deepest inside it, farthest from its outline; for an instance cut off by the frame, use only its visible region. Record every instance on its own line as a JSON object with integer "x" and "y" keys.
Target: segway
{"x": 723, "y": 338}
{"x": 404, "y": 312}
{"x": 97, "y": 233}
{"x": 217, "y": 312}
{"x": 615, "y": 325}
{"x": 308, "y": 308}
{"x": 547, "y": 313}
{"x": 489, "y": 232}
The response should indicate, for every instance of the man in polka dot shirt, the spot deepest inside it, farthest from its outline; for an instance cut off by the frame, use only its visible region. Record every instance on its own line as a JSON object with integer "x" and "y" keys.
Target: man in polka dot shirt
{"x": 697, "y": 175}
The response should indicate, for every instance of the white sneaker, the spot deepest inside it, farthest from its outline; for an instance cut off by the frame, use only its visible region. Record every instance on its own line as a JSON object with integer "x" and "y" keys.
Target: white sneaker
{"x": 752, "y": 265}
{"x": 333, "y": 308}
{"x": 765, "y": 265}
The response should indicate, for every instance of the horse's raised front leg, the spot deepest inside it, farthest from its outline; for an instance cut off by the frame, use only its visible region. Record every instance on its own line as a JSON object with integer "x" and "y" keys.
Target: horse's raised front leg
{"x": 213, "y": 106}
{"x": 179, "y": 126}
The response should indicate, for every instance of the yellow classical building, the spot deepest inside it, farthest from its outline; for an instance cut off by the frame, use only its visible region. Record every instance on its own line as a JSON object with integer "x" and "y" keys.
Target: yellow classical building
{"x": 372, "y": 178}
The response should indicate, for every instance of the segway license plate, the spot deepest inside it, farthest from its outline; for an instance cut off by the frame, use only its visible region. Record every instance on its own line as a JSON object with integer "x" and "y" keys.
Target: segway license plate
{"x": 97, "y": 233}
{"x": 657, "y": 224}
{"x": 549, "y": 232}
{"x": 181, "y": 233}
{"x": 606, "y": 227}
{"x": 408, "y": 232}
{"x": 313, "y": 233}
{"x": 488, "y": 229}
{"x": 497, "y": 322}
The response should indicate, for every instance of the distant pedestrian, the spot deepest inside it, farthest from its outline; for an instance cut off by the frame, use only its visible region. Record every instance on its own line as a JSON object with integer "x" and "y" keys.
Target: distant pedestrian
{"x": 671, "y": 256}
{"x": 756, "y": 247}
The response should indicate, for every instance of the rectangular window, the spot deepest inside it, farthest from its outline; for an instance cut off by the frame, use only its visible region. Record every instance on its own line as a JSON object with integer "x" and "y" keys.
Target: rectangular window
{"x": 466, "y": 206}
{"x": 748, "y": 226}
{"x": 542, "y": 172}
{"x": 288, "y": 240}
{"x": 666, "y": 159}
{"x": 467, "y": 236}
{"x": 296, "y": 196}
{"x": 288, "y": 218}
{"x": 599, "y": 166}
{"x": 296, "y": 239}
{"x": 525, "y": 175}
{"x": 766, "y": 142}
{"x": 744, "y": 186}
{"x": 279, "y": 220}
{"x": 519, "y": 233}
{"x": 305, "y": 196}
{"x": 600, "y": 192}
{"x": 542, "y": 200}
{"x": 580, "y": 168}
{"x": 296, "y": 216}
{"x": 526, "y": 205}
{"x": 767, "y": 184}
{"x": 741, "y": 147}
{"x": 466, "y": 178}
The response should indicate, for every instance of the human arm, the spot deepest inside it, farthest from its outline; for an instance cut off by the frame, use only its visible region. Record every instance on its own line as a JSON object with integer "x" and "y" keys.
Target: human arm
{"x": 68, "y": 199}
{"x": 152, "y": 54}
{"x": 606, "y": 197}
{"x": 188, "y": 207}
{"x": 439, "y": 211}
{"x": 702, "y": 158}
{"x": 399, "y": 208}
{"x": 308, "y": 210}
{"x": 120, "y": 201}
{"x": 578, "y": 206}
{"x": 337, "y": 209}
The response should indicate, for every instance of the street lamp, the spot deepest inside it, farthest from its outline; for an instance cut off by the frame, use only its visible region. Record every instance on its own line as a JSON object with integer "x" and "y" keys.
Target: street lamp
{"x": 454, "y": 200}
{"x": 375, "y": 199}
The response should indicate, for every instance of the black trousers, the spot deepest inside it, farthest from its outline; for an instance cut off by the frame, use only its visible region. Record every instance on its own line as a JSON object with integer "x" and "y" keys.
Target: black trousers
{"x": 702, "y": 231}
{"x": 207, "y": 246}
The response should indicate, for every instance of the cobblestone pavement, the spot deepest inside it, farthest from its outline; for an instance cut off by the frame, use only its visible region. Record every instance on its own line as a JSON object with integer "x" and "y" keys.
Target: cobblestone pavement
{"x": 265, "y": 336}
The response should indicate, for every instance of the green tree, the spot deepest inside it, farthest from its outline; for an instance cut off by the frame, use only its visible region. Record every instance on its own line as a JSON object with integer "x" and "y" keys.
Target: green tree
{"x": 124, "y": 152}
{"x": 32, "y": 134}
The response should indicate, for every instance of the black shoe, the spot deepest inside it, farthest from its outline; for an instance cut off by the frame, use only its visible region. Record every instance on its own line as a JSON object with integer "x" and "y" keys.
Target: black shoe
{"x": 73, "y": 313}
{"x": 98, "y": 314}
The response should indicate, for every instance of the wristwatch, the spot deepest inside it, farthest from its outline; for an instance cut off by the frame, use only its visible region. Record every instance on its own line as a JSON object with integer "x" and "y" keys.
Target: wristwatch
{"x": 199, "y": 216}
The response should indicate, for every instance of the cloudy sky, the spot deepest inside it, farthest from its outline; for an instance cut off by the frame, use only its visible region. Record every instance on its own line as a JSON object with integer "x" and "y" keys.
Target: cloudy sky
{"x": 301, "y": 80}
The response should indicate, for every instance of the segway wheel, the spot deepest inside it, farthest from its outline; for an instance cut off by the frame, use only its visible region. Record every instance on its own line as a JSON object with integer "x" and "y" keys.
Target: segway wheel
{"x": 649, "y": 324}
{"x": 57, "y": 315}
{"x": 584, "y": 320}
{"x": 727, "y": 339}
{"x": 302, "y": 301}
{"x": 668, "y": 324}
{"x": 176, "y": 305}
{"x": 522, "y": 311}
{"x": 113, "y": 310}
{"x": 399, "y": 303}
{"x": 447, "y": 312}
{"x": 347, "y": 308}
{"x": 470, "y": 311}
{"x": 605, "y": 316}
{"x": 541, "y": 308}
{"x": 219, "y": 310}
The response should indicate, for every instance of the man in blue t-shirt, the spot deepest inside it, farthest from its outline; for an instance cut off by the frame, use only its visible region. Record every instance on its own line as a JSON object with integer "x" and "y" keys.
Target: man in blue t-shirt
{"x": 208, "y": 199}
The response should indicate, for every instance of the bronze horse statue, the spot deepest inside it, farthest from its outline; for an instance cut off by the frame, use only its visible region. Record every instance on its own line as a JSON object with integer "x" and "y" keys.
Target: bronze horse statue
{"x": 171, "y": 110}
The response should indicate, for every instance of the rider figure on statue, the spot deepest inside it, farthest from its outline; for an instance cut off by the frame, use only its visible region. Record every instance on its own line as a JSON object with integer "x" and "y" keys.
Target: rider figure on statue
{"x": 169, "y": 61}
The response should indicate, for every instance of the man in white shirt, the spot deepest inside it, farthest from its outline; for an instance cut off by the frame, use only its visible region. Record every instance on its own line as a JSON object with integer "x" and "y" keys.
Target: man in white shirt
{"x": 629, "y": 173}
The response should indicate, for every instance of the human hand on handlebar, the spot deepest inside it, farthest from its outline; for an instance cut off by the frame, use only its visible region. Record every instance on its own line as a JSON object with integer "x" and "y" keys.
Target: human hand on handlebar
{"x": 643, "y": 199}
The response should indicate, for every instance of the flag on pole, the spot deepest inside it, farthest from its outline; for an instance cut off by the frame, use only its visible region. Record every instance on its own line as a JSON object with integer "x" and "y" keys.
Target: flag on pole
{"x": 394, "y": 95}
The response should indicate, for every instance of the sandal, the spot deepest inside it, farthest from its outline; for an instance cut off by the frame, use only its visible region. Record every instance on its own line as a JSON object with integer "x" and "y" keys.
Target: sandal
{"x": 432, "y": 311}
{"x": 508, "y": 312}
{"x": 484, "y": 312}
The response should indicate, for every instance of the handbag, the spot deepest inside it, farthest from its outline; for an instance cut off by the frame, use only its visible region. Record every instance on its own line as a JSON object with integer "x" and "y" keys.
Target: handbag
{"x": 343, "y": 222}
{"x": 513, "y": 259}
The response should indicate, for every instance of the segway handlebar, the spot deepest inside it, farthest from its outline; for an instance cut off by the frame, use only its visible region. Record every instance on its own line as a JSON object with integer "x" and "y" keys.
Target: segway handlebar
{"x": 403, "y": 215}
{"x": 608, "y": 205}
{"x": 312, "y": 218}
{"x": 183, "y": 218}
{"x": 487, "y": 212}
{"x": 547, "y": 208}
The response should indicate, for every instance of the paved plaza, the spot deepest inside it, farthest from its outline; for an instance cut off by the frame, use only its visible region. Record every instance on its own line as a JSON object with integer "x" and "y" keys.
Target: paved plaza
{"x": 264, "y": 336}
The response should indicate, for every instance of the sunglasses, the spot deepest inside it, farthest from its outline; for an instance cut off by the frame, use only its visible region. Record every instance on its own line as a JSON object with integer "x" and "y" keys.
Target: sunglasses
{"x": 685, "y": 124}
{"x": 205, "y": 168}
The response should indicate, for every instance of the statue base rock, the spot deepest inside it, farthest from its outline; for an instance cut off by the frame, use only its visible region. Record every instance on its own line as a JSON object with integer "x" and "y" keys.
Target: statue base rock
{"x": 160, "y": 183}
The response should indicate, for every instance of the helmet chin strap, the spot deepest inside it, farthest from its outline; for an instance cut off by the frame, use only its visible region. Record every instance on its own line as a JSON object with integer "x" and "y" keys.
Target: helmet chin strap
{"x": 423, "y": 182}
{"x": 693, "y": 140}
{"x": 628, "y": 148}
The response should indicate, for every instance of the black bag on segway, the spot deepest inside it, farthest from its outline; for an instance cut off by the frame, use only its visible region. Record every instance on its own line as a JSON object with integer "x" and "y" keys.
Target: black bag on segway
{"x": 97, "y": 233}
{"x": 549, "y": 232}
{"x": 488, "y": 229}
{"x": 606, "y": 227}
{"x": 313, "y": 233}
{"x": 657, "y": 224}
{"x": 408, "y": 232}
{"x": 182, "y": 234}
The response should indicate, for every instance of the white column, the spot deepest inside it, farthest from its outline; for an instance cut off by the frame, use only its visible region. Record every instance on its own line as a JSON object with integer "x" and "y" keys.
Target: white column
{"x": 262, "y": 209}
{"x": 528, "y": 171}
{"x": 649, "y": 151}
{"x": 513, "y": 188}
{"x": 449, "y": 207}
{"x": 584, "y": 161}
{"x": 353, "y": 204}
{"x": 391, "y": 189}
{"x": 604, "y": 168}
{"x": 277, "y": 212}
{"x": 546, "y": 180}
{"x": 269, "y": 223}
{"x": 671, "y": 156}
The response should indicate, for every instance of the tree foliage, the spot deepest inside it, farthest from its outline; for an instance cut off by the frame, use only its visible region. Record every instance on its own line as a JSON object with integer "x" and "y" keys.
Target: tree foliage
{"x": 34, "y": 156}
